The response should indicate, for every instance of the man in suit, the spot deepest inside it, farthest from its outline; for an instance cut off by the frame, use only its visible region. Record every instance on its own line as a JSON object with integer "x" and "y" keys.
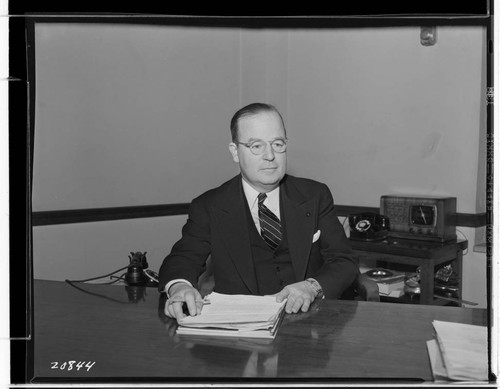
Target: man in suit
{"x": 288, "y": 242}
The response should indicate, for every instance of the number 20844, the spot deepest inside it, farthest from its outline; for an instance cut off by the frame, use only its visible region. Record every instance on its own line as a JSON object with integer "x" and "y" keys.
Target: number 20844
{"x": 72, "y": 365}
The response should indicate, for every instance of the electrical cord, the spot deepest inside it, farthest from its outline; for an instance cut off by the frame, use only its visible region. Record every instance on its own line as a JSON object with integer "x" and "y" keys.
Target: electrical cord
{"x": 121, "y": 278}
{"x": 95, "y": 294}
{"x": 99, "y": 277}
{"x": 135, "y": 272}
{"x": 153, "y": 276}
{"x": 133, "y": 292}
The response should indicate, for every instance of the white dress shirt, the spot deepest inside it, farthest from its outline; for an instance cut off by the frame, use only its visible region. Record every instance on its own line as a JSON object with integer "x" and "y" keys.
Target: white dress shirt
{"x": 272, "y": 202}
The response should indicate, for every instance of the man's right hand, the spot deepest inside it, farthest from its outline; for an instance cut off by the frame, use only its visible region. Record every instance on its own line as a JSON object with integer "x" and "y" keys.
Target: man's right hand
{"x": 180, "y": 294}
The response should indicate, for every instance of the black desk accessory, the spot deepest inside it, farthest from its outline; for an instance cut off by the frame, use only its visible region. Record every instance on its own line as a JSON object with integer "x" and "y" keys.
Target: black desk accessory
{"x": 368, "y": 226}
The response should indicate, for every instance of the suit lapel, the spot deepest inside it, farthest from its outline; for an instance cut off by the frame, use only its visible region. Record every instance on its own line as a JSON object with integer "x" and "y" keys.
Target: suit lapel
{"x": 231, "y": 222}
{"x": 299, "y": 218}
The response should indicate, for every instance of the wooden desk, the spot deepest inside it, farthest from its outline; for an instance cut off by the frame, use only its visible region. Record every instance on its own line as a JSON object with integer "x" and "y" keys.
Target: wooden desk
{"x": 125, "y": 334}
{"x": 416, "y": 253}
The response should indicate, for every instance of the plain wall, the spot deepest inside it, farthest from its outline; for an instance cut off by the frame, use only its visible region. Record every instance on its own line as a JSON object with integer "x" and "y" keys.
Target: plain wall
{"x": 135, "y": 115}
{"x": 382, "y": 114}
{"x": 124, "y": 111}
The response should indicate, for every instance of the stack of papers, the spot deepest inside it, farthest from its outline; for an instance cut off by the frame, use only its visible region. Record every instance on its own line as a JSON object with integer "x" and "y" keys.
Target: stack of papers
{"x": 391, "y": 285}
{"x": 459, "y": 352}
{"x": 235, "y": 315}
{"x": 396, "y": 293}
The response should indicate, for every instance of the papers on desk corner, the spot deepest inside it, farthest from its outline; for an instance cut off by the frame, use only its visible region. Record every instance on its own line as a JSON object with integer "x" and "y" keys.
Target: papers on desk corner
{"x": 391, "y": 285}
{"x": 235, "y": 315}
{"x": 459, "y": 352}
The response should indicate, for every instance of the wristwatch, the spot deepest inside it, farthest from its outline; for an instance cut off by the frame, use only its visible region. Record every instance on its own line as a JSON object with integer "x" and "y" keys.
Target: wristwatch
{"x": 316, "y": 287}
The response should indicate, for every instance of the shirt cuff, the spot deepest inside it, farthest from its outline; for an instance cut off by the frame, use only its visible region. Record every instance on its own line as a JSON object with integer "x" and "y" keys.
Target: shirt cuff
{"x": 170, "y": 283}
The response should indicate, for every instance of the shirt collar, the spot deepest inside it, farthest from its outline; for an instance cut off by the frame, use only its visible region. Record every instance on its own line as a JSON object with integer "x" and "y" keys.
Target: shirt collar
{"x": 251, "y": 195}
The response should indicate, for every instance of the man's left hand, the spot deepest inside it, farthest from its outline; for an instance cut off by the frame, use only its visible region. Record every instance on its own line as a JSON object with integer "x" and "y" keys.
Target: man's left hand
{"x": 299, "y": 296}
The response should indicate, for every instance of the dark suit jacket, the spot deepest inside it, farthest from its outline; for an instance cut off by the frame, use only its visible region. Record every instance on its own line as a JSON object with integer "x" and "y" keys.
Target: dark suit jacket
{"x": 217, "y": 226}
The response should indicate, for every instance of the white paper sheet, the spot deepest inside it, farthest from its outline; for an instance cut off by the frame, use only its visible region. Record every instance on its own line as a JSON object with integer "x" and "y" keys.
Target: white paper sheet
{"x": 464, "y": 350}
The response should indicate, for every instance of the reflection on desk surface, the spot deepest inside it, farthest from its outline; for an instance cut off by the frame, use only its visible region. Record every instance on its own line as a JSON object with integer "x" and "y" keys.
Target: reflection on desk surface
{"x": 128, "y": 336}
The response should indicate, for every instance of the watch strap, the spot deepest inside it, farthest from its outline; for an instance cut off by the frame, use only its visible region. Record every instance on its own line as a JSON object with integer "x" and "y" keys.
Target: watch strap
{"x": 318, "y": 291}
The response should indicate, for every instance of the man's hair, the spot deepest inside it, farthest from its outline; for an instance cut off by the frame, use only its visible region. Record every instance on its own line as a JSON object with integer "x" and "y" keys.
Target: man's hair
{"x": 249, "y": 110}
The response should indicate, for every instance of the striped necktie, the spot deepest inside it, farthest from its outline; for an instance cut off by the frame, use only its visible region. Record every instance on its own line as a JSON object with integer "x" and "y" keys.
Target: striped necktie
{"x": 270, "y": 226}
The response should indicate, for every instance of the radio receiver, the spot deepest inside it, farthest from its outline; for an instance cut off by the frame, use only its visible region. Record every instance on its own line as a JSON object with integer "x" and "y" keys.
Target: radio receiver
{"x": 428, "y": 218}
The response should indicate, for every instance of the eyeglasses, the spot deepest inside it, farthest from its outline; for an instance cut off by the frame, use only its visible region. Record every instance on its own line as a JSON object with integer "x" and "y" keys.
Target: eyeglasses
{"x": 258, "y": 147}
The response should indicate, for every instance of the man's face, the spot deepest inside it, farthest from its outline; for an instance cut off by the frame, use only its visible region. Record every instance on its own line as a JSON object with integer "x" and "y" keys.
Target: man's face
{"x": 265, "y": 171}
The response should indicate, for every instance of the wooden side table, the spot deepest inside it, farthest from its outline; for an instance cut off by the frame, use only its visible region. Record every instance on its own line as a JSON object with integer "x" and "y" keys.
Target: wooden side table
{"x": 416, "y": 253}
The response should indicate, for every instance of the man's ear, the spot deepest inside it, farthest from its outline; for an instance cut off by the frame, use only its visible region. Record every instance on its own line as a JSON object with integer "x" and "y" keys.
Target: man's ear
{"x": 233, "y": 149}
